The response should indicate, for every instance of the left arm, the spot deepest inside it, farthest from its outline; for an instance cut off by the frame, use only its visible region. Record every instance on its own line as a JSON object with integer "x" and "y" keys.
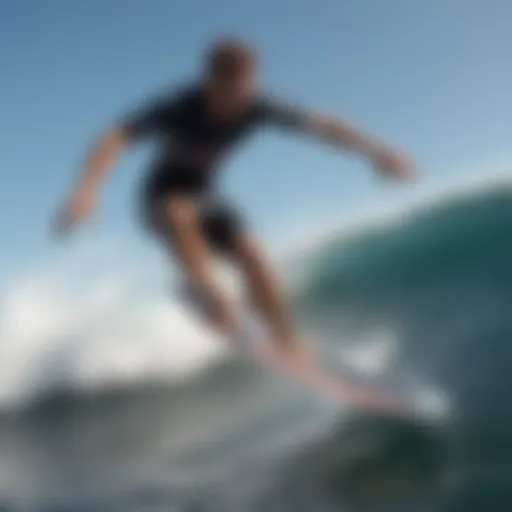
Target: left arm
{"x": 343, "y": 134}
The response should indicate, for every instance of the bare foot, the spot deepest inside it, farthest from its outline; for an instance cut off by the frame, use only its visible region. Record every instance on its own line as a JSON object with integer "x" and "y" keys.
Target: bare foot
{"x": 293, "y": 353}
{"x": 298, "y": 354}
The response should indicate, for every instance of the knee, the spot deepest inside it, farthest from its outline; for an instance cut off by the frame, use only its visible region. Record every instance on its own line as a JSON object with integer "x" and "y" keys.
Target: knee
{"x": 248, "y": 252}
{"x": 222, "y": 226}
{"x": 180, "y": 213}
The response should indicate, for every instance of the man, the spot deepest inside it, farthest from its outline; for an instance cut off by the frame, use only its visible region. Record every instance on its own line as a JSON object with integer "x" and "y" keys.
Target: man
{"x": 195, "y": 127}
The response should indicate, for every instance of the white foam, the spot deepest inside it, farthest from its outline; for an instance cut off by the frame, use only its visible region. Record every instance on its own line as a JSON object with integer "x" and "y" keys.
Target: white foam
{"x": 373, "y": 355}
{"x": 57, "y": 329}
{"x": 81, "y": 324}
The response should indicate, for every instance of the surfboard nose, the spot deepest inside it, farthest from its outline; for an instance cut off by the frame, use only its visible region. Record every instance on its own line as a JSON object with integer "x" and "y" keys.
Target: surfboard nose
{"x": 433, "y": 404}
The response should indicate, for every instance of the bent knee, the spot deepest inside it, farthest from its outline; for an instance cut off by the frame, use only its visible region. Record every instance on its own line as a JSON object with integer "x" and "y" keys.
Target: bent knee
{"x": 181, "y": 213}
{"x": 248, "y": 249}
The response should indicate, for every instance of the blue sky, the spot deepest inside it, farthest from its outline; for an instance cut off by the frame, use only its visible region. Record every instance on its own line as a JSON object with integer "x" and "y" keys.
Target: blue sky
{"x": 433, "y": 77}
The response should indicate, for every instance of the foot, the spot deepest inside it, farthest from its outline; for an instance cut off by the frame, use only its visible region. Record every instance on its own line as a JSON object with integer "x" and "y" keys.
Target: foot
{"x": 296, "y": 353}
{"x": 289, "y": 353}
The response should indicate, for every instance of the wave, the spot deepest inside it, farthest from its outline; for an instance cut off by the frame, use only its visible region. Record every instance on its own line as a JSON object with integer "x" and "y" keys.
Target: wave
{"x": 415, "y": 297}
{"x": 463, "y": 235}
{"x": 84, "y": 326}
{"x": 59, "y": 331}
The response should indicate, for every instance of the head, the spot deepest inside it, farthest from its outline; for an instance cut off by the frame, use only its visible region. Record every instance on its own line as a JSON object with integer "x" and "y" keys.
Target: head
{"x": 231, "y": 72}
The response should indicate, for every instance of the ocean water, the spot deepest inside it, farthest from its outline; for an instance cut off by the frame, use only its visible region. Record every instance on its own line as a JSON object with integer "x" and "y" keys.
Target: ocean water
{"x": 420, "y": 301}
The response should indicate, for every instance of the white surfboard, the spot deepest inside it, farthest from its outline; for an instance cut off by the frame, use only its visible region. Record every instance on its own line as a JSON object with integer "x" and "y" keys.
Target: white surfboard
{"x": 312, "y": 374}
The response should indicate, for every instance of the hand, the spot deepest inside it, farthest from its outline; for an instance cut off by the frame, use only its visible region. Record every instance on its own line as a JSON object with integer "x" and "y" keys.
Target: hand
{"x": 392, "y": 163}
{"x": 77, "y": 207}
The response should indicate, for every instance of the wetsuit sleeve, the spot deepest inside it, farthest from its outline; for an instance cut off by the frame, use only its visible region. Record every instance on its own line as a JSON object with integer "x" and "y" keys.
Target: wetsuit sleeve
{"x": 284, "y": 115}
{"x": 154, "y": 118}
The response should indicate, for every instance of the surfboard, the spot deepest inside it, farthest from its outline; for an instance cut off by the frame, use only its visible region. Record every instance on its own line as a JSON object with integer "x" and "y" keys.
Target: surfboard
{"x": 339, "y": 388}
{"x": 311, "y": 373}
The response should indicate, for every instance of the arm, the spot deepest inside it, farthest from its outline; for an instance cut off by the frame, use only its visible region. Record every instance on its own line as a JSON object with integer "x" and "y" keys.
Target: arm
{"x": 342, "y": 134}
{"x": 383, "y": 157}
{"x": 101, "y": 158}
{"x": 81, "y": 199}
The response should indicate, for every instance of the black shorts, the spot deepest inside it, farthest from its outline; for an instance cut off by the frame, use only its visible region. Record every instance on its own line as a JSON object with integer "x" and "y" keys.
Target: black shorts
{"x": 220, "y": 222}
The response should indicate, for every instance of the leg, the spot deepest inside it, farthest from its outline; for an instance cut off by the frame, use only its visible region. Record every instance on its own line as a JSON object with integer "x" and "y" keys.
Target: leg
{"x": 263, "y": 287}
{"x": 177, "y": 224}
{"x": 224, "y": 230}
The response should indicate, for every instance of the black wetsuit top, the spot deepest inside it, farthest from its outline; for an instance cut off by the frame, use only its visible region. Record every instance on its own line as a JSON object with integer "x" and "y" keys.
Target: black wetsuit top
{"x": 192, "y": 143}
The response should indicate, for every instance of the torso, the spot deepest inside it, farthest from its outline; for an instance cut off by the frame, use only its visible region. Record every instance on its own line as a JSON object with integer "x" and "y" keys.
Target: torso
{"x": 193, "y": 141}
{"x": 200, "y": 139}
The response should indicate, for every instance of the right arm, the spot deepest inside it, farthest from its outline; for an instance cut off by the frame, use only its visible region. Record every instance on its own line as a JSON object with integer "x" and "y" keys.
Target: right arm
{"x": 102, "y": 157}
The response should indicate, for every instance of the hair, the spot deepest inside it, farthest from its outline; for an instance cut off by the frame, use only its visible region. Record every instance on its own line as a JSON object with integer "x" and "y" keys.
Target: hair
{"x": 228, "y": 55}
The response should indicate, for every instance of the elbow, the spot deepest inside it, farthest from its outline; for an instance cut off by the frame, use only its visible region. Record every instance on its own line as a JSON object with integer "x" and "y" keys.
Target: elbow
{"x": 108, "y": 146}
{"x": 343, "y": 134}
{"x": 330, "y": 130}
{"x": 113, "y": 139}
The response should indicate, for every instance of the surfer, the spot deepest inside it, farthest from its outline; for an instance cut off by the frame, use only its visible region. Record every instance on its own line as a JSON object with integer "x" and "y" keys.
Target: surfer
{"x": 195, "y": 127}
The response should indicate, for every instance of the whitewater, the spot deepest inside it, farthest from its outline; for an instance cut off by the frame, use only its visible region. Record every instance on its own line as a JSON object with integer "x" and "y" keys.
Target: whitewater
{"x": 134, "y": 405}
{"x": 85, "y": 322}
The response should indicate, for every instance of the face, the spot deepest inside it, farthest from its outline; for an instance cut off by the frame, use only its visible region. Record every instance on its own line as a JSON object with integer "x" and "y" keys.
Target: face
{"x": 232, "y": 89}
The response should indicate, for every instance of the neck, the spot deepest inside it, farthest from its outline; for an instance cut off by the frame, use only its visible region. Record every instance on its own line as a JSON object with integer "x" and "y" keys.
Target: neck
{"x": 220, "y": 107}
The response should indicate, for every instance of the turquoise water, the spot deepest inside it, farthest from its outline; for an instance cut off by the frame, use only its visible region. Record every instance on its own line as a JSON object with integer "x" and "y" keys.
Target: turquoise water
{"x": 421, "y": 301}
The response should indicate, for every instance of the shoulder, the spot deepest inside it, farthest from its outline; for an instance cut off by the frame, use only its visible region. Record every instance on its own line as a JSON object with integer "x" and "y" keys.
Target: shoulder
{"x": 178, "y": 96}
{"x": 269, "y": 108}
{"x": 159, "y": 111}
{"x": 262, "y": 104}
